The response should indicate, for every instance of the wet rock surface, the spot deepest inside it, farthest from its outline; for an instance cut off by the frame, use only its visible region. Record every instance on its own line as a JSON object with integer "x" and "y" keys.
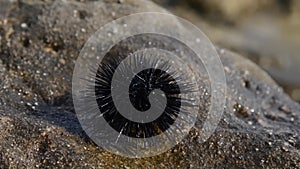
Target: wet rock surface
{"x": 40, "y": 42}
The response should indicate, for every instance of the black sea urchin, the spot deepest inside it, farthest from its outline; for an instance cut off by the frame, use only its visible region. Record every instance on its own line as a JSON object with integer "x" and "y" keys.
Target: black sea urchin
{"x": 137, "y": 87}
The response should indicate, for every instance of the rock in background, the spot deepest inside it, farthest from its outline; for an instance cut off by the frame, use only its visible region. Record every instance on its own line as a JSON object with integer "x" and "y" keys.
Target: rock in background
{"x": 40, "y": 41}
{"x": 266, "y": 31}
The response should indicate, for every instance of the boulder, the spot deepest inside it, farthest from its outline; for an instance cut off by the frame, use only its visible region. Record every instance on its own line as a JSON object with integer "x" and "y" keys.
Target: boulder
{"x": 39, "y": 44}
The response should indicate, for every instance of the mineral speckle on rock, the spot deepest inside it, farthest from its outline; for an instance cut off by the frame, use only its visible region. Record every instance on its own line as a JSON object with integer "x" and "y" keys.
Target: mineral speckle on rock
{"x": 39, "y": 43}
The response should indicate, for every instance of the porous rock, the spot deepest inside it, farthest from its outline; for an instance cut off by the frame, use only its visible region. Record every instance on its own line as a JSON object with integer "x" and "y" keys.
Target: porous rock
{"x": 40, "y": 41}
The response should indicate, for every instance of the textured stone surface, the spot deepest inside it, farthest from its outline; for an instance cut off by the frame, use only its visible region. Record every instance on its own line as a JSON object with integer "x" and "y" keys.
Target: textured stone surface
{"x": 39, "y": 44}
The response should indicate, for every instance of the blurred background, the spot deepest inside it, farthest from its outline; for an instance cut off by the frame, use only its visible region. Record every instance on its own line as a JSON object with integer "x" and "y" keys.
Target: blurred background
{"x": 265, "y": 31}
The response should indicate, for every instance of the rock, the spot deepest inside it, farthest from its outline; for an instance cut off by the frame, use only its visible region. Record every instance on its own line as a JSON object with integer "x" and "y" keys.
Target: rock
{"x": 259, "y": 128}
{"x": 229, "y": 11}
{"x": 265, "y": 31}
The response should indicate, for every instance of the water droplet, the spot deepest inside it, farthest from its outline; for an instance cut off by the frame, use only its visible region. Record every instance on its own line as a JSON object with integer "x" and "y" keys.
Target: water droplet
{"x": 24, "y": 25}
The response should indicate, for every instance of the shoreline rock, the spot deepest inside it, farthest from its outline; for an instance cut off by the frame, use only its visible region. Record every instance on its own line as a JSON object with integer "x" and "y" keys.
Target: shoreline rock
{"x": 260, "y": 125}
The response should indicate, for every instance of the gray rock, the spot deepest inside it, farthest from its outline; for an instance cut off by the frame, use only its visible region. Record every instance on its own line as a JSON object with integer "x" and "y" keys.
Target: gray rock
{"x": 267, "y": 32}
{"x": 39, "y": 129}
